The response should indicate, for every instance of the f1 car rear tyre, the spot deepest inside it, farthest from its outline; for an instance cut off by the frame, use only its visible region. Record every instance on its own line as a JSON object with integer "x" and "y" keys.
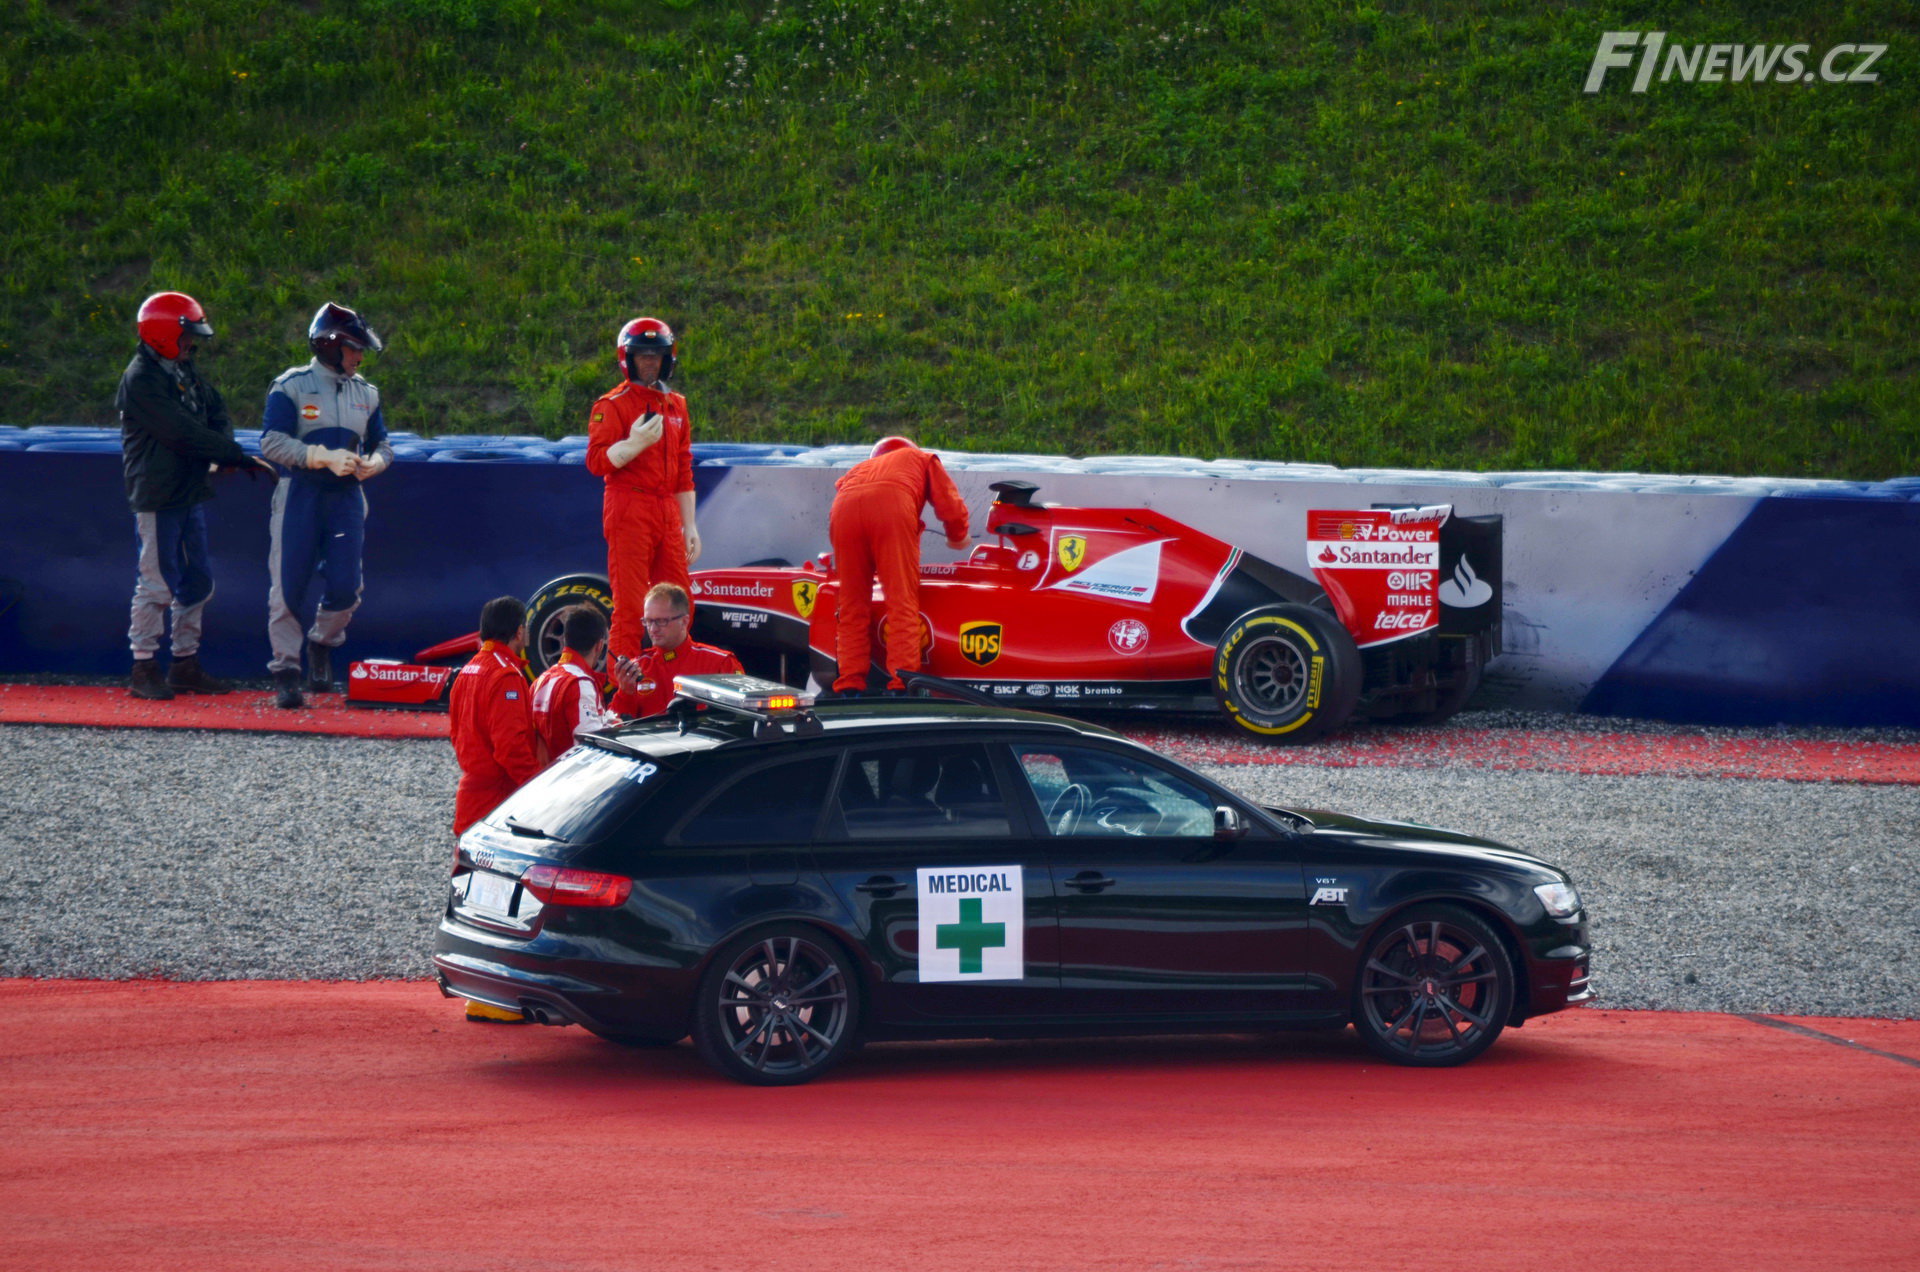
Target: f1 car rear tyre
{"x": 545, "y": 640}
{"x": 1435, "y": 988}
{"x": 777, "y": 1006}
{"x": 1287, "y": 673}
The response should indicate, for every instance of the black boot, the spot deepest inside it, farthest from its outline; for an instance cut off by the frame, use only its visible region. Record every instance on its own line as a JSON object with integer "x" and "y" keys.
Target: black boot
{"x": 320, "y": 669}
{"x": 186, "y": 676}
{"x": 147, "y": 682}
{"x": 286, "y": 689}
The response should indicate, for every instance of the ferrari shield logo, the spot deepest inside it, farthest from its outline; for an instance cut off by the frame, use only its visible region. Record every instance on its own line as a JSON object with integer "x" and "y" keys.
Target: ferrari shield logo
{"x": 804, "y": 592}
{"x": 1072, "y": 551}
{"x": 980, "y": 642}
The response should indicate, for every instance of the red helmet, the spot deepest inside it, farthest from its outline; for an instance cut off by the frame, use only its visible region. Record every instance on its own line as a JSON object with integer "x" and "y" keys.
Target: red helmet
{"x": 647, "y": 335}
{"x": 886, "y": 444}
{"x": 165, "y": 316}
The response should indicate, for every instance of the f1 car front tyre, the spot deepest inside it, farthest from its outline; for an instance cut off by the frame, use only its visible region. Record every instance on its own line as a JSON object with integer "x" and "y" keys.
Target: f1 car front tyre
{"x": 545, "y": 639}
{"x": 777, "y": 1006}
{"x": 1287, "y": 673}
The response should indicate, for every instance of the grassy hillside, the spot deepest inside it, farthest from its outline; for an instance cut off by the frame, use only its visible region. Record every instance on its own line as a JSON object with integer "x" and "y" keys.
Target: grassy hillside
{"x": 1370, "y": 235}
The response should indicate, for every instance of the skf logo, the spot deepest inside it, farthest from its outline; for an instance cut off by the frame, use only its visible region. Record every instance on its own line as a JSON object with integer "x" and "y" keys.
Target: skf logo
{"x": 310, "y": 411}
{"x": 805, "y": 591}
{"x": 1329, "y": 896}
{"x": 980, "y": 642}
{"x": 1072, "y": 551}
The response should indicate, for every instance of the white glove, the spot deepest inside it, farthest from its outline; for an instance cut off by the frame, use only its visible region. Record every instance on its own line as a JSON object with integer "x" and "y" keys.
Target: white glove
{"x": 371, "y": 466}
{"x": 647, "y": 429}
{"x": 645, "y": 432}
{"x": 338, "y": 462}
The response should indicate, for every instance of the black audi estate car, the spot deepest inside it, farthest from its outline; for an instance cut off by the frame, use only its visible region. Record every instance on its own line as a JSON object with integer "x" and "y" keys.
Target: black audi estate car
{"x": 782, "y": 879}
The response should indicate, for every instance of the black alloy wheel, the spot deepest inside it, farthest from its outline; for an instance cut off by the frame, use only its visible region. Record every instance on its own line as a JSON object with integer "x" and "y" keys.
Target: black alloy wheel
{"x": 1435, "y": 988}
{"x": 777, "y": 1007}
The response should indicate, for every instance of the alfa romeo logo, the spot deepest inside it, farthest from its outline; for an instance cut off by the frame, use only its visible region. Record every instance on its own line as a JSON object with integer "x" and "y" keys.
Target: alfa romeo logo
{"x": 1128, "y": 636}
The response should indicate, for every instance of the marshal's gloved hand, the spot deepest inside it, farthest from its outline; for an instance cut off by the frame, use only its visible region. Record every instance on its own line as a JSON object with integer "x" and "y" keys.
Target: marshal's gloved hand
{"x": 340, "y": 463}
{"x": 370, "y": 466}
{"x": 645, "y": 432}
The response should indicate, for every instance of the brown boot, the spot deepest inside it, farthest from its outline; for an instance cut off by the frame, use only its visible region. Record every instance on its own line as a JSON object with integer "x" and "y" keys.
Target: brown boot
{"x": 186, "y": 676}
{"x": 147, "y": 682}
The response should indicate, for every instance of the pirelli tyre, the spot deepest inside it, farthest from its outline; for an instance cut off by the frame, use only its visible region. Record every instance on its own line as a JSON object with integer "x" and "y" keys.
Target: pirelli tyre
{"x": 544, "y": 637}
{"x": 1287, "y": 673}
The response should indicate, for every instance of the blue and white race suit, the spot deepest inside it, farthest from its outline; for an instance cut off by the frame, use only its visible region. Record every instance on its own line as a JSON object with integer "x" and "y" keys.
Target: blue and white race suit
{"x": 319, "y": 520}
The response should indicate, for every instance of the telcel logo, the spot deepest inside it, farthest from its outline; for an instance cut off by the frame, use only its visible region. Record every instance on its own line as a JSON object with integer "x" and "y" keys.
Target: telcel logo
{"x": 1732, "y": 63}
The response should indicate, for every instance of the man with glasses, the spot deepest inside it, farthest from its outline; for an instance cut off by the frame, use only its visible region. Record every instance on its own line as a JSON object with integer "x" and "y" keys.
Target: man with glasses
{"x": 667, "y": 617}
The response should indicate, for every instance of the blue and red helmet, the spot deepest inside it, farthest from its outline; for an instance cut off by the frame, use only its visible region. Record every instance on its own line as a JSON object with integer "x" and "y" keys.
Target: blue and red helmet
{"x": 166, "y": 317}
{"x": 336, "y": 325}
{"x": 647, "y": 335}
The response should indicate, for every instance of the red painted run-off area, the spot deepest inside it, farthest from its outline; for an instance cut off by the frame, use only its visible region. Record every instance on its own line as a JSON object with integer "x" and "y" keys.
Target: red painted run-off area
{"x": 213, "y": 1126}
{"x": 1566, "y": 751}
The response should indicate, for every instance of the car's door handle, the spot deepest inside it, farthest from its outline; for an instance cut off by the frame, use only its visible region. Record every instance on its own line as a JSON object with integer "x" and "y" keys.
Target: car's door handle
{"x": 880, "y": 886}
{"x": 1089, "y": 881}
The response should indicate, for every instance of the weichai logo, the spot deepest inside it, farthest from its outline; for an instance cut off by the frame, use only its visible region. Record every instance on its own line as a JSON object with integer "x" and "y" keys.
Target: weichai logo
{"x": 1649, "y": 53}
{"x": 980, "y": 642}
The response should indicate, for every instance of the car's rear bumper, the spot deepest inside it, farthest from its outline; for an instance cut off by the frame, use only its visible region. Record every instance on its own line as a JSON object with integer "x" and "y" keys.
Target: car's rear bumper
{"x": 606, "y": 997}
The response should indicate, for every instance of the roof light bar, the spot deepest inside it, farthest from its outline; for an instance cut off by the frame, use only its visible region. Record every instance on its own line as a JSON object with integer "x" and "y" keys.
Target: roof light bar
{"x": 743, "y": 693}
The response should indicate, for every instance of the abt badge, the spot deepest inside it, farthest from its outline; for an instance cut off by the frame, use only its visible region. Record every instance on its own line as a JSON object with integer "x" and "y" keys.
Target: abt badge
{"x": 1329, "y": 896}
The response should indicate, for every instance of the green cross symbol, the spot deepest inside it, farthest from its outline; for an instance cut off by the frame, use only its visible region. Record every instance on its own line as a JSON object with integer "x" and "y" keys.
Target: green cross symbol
{"x": 969, "y": 936}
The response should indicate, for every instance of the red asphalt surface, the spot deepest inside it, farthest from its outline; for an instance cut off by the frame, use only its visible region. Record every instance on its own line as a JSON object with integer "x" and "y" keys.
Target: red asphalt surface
{"x": 1549, "y": 750}
{"x": 249, "y": 1125}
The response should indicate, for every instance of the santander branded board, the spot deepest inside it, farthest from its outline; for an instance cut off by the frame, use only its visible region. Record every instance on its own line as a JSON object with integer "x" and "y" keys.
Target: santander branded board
{"x": 1381, "y": 568}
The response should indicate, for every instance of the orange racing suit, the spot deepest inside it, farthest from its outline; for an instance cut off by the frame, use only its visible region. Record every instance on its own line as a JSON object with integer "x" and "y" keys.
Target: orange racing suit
{"x": 875, "y": 529}
{"x": 640, "y": 513}
{"x": 491, "y": 717}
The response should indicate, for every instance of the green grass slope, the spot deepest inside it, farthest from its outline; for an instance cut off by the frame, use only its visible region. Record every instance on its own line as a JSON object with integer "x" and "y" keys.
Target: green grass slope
{"x": 1369, "y": 235}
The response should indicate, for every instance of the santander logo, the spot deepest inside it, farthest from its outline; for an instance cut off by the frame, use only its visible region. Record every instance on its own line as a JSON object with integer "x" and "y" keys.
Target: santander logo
{"x": 1464, "y": 589}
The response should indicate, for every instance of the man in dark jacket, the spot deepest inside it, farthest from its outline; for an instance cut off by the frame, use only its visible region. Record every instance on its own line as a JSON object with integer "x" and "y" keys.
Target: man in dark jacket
{"x": 174, "y": 431}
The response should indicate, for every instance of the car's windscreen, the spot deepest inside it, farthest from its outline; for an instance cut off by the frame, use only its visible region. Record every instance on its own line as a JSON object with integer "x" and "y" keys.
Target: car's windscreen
{"x": 580, "y": 795}
{"x": 1083, "y": 791}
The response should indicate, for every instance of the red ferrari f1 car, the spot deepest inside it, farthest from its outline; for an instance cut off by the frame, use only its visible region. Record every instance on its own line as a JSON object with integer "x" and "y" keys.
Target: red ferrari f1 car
{"x": 1095, "y": 609}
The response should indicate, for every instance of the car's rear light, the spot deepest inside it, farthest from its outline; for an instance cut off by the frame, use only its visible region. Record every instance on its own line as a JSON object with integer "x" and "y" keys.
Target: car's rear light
{"x": 558, "y": 885}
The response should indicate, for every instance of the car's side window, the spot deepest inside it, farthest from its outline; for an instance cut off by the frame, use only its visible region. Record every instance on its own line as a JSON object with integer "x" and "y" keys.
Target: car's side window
{"x": 779, "y": 804}
{"x": 921, "y": 792}
{"x": 1082, "y": 791}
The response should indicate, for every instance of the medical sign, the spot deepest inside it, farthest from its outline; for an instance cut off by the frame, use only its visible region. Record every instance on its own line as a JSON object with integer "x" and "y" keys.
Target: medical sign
{"x": 1381, "y": 567}
{"x": 973, "y": 922}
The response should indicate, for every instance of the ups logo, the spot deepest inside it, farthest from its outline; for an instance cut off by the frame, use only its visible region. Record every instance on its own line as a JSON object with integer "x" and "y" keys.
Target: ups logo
{"x": 980, "y": 642}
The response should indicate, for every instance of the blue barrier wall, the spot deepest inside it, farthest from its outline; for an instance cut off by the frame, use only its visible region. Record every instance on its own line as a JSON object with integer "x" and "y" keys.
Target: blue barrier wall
{"x": 1696, "y": 599}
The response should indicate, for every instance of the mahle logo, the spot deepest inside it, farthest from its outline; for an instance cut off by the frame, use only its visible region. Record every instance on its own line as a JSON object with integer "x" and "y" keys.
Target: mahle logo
{"x": 980, "y": 642}
{"x": 1649, "y": 52}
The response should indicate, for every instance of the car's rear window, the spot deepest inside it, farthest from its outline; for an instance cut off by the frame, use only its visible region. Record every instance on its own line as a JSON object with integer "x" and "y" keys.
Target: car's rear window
{"x": 582, "y": 795}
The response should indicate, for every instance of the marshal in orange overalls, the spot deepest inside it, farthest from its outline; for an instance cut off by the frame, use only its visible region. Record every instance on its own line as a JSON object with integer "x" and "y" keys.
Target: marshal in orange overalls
{"x": 875, "y": 530}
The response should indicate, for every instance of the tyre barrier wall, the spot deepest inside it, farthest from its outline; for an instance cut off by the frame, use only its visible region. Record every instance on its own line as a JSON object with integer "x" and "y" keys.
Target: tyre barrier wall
{"x": 1695, "y": 599}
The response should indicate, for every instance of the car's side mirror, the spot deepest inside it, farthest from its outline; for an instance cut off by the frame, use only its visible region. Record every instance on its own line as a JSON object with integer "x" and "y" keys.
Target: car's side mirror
{"x": 1228, "y": 823}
